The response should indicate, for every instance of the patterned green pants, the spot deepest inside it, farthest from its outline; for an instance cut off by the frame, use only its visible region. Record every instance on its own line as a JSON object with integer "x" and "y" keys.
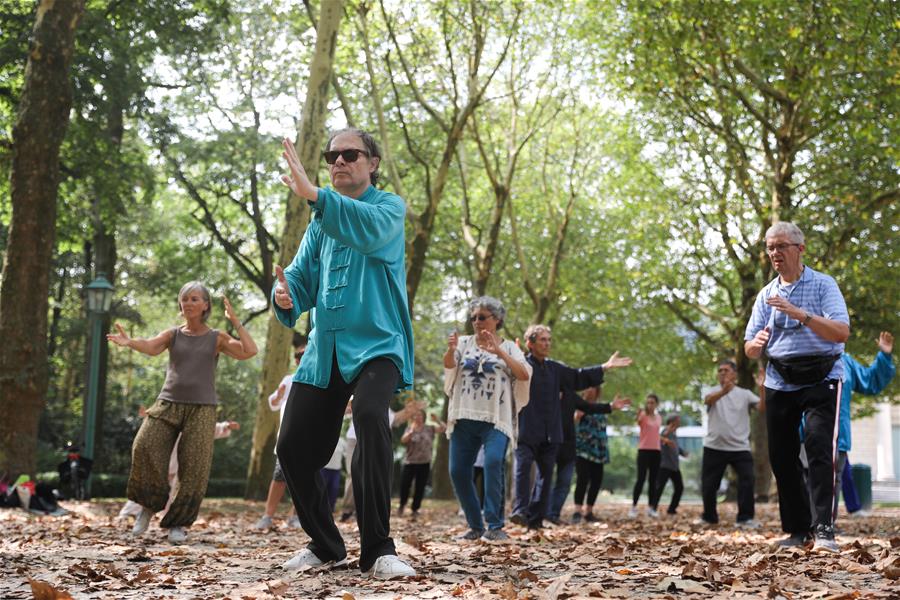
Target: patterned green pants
{"x": 148, "y": 483}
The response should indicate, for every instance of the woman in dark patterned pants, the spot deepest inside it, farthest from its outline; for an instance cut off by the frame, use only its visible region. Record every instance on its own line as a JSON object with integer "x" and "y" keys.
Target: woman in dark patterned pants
{"x": 186, "y": 406}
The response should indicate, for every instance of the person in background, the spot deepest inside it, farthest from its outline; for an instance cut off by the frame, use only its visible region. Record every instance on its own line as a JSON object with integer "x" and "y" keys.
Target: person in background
{"x": 566, "y": 456}
{"x": 185, "y": 407}
{"x": 277, "y": 401}
{"x": 669, "y": 468}
{"x": 592, "y": 452}
{"x": 486, "y": 381}
{"x": 648, "y": 456}
{"x": 871, "y": 381}
{"x": 727, "y": 442}
{"x": 419, "y": 442}
{"x": 540, "y": 423}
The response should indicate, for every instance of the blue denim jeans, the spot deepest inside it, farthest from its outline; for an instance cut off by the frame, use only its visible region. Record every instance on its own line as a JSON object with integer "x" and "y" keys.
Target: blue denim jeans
{"x": 560, "y": 490}
{"x": 467, "y": 437}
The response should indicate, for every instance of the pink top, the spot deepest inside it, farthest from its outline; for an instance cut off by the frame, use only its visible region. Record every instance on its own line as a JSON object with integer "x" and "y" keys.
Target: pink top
{"x": 649, "y": 436}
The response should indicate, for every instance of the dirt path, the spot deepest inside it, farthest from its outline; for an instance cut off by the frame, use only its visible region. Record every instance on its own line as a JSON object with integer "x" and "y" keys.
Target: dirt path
{"x": 90, "y": 554}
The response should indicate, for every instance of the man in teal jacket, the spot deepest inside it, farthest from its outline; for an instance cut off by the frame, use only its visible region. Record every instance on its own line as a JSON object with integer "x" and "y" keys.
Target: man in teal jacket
{"x": 350, "y": 274}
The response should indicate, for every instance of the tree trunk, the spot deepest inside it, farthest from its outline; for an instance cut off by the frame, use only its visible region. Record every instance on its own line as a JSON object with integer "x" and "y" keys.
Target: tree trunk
{"x": 278, "y": 338}
{"x": 43, "y": 116}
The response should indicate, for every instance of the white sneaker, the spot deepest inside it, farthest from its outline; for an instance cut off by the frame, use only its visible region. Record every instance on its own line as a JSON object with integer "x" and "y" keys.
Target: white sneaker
{"x": 265, "y": 522}
{"x": 389, "y": 566}
{"x": 293, "y": 522}
{"x": 633, "y": 512}
{"x": 306, "y": 558}
{"x": 652, "y": 513}
{"x": 142, "y": 522}
{"x": 177, "y": 535}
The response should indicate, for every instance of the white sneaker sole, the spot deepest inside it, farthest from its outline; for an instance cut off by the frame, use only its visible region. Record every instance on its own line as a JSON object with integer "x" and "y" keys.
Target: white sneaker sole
{"x": 326, "y": 566}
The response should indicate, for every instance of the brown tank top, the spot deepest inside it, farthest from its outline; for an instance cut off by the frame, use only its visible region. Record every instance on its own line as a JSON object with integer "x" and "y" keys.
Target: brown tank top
{"x": 191, "y": 374}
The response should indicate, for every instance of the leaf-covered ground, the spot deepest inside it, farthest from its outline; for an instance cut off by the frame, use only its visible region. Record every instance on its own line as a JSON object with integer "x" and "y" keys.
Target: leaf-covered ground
{"x": 90, "y": 554}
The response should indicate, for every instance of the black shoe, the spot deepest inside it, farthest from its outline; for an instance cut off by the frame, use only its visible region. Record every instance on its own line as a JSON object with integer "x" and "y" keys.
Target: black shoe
{"x": 576, "y": 518}
{"x": 555, "y": 520}
{"x": 825, "y": 539}
{"x": 590, "y": 518}
{"x": 795, "y": 540}
{"x": 519, "y": 519}
{"x": 346, "y": 516}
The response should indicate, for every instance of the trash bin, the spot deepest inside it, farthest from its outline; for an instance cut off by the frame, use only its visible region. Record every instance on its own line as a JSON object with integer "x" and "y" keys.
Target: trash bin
{"x": 862, "y": 479}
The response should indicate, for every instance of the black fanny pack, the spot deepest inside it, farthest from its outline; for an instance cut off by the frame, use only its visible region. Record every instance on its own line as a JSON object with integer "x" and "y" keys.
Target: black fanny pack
{"x": 804, "y": 370}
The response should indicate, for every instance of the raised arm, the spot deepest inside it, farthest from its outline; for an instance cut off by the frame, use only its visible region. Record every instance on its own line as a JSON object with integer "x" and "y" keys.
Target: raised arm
{"x": 150, "y": 346}
{"x": 873, "y": 379}
{"x": 241, "y": 349}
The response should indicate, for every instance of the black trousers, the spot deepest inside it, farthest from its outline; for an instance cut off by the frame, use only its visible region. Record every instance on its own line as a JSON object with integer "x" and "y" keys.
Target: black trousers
{"x": 647, "y": 463}
{"x": 544, "y": 456}
{"x": 712, "y": 470}
{"x": 783, "y": 413}
{"x": 661, "y": 480}
{"x": 588, "y": 478}
{"x": 419, "y": 474}
{"x": 309, "y": 434}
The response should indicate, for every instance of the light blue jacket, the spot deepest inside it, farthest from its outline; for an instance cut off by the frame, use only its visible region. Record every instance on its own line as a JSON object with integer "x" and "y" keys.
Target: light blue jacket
{"x": 869, "y": 380}
{"x": 350, "y": 272}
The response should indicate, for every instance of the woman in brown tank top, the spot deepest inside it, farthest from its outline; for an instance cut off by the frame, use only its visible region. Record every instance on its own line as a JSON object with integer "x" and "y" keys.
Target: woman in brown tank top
{"x": 185, "y": 407}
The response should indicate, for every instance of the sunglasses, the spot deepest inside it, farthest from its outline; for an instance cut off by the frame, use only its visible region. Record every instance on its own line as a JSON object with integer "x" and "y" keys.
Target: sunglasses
{"x": 349, "y": 155}
{"x": 474, "y": 318}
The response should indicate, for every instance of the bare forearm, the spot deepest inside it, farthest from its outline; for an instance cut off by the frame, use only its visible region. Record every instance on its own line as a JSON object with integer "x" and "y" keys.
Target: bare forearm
{"x": 518, "y": 369}
{"x": 151, "y": 347}
{"x": 752, "y": 350}
{"x": 248, "y": 345}
{"x": 827, "y": 329}
{"x": 449, "y": 361}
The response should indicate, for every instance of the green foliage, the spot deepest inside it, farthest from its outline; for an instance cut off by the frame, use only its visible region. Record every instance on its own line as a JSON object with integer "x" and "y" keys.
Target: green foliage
{"x": 678, "y": 130}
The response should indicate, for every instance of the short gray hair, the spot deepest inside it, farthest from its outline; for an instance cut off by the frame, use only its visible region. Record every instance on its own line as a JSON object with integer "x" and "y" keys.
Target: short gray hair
{"x": 190, "y": 286}
{"x": 784, "y": 228}
{"x": 533, "y": 331}
{"x": 490, "y": 304}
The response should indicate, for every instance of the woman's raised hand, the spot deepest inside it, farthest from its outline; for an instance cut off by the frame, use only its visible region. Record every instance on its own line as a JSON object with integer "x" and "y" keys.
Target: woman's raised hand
{"x": 119, "y": 339}
{"x": 452, "y": 341}
{"x": 229, "y": 312}
{"x": 488, "y": 341}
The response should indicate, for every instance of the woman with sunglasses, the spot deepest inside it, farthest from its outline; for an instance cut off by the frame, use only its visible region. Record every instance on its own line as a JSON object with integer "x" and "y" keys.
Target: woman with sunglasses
{"x": 351, "y": 268}
{"x": 486, "y": 379}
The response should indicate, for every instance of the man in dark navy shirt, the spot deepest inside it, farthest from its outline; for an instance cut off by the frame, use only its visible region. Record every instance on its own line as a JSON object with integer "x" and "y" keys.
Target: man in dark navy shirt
{"x": 540, "y": 422}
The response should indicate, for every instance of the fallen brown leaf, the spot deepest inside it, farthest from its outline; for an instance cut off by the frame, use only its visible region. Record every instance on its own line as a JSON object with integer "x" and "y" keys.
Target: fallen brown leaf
{"x": 41, "y": 590}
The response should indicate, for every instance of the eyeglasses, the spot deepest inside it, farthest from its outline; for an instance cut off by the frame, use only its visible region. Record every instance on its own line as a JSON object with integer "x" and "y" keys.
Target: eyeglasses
{"x": 474, "y": 318}
{"x": 779, "y": 247}
{"x": 349, "y": 155}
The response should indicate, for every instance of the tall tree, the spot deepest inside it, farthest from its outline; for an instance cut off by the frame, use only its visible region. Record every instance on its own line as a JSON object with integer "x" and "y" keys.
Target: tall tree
{"x": 446, "y": 94}
{"x": 278, "y": 338}
{"x": 766, "y": 111}
{"x": 43, "y": 117}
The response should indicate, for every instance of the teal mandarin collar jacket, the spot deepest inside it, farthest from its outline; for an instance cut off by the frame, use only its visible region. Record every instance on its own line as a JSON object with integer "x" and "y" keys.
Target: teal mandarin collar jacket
{"x": 350, "y": 273}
